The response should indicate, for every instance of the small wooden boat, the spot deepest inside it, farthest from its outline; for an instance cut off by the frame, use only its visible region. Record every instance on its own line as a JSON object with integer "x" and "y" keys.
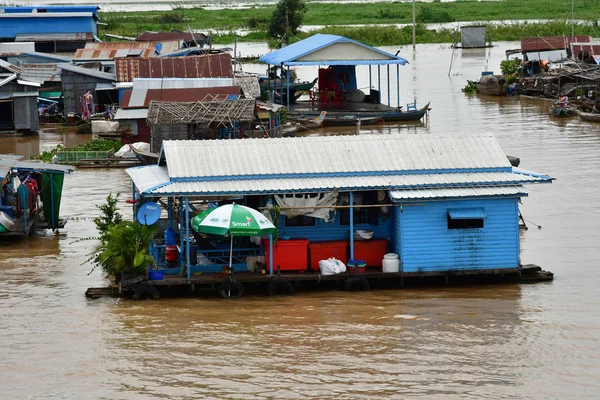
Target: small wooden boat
{"x": 144, "y": 157}
{"x": 589, "y": 116}
{"x": 561, "y": 108}
{"x": 310, "y": 124}
{"x": 492, "y": 85}
{"x": 350, "y": 120}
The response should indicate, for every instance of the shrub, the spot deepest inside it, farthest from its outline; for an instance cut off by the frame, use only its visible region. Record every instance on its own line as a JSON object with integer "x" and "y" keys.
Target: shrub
{"x": 509, "y": 67}
{"x": 430, "y": 14}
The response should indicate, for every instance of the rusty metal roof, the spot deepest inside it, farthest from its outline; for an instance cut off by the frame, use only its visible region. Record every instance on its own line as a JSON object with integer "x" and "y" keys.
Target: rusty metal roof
{"x": 110, "y": 54}
{"x": 142, "y": 98}
{"x": 543, "y": 43}
{"x": 591, "y": 49}
{"x": 203, "y": 66}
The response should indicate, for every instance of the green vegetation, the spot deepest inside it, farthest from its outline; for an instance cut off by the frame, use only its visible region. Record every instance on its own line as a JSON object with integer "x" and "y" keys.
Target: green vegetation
{"x": 471, "y": 87}
{"x": 259, "y": 18}
{"x": 509, "y": 67}
{"x": 95, "y": 145}
{"x": 287, "y": 18}
{"x": 123, "y": 246}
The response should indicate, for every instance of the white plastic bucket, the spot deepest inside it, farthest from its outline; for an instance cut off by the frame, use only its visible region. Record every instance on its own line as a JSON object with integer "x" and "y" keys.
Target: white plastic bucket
{"x": 390, "y": 263}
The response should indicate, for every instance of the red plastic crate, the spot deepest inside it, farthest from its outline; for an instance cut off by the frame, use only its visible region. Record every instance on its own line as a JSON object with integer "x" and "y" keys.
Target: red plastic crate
{"x": 289, "y": 255}
{"x": 324, "y": 250}
{"x": 371, "y": 251}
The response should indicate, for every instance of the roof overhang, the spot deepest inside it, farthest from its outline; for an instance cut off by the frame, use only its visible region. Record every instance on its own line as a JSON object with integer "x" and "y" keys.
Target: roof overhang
{"x": 323, "y": 49}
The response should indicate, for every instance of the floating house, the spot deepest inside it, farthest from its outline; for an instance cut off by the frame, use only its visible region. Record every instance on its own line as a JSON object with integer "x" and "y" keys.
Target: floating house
{"x": 473, "y": 37}
{"x": 18, "y": 100}
{"x": 443, "y": 203}
{"x": 133, "y": 110}
{"x": 52, "y": 28}
{"x": 77, "y": 81}
{"x": 188, "y": 39}
{"x": 30, "y": 195}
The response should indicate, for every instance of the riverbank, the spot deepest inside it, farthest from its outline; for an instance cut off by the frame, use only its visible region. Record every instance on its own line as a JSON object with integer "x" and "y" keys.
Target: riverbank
{"x": 254, "y": 20}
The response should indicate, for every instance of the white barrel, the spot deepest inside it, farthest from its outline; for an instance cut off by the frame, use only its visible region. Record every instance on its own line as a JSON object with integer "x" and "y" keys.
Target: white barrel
{"x": 390, "y": 263}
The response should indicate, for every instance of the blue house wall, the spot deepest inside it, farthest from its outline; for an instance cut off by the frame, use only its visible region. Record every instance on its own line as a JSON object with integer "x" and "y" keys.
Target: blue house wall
{"x": 425, "y": 243}
{"x": 11, "y": 27}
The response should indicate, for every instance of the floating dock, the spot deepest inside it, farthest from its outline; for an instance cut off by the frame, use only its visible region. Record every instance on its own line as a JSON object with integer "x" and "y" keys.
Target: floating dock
{"x": 240, "y": 283}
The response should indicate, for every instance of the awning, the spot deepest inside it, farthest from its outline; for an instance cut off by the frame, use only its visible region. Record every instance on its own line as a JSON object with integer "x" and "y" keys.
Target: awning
{"x": 51, "y": 95}
{"x": 104, "y": 86}
{"x": 466, "y": 213}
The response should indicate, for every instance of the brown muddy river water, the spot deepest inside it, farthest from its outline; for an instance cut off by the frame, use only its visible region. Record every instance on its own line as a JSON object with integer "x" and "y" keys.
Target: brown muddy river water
{"x": 537, "y": 341}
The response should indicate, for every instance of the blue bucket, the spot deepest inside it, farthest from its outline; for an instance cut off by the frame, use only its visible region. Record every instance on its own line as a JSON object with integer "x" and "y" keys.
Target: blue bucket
{"x": 156, "y": 275}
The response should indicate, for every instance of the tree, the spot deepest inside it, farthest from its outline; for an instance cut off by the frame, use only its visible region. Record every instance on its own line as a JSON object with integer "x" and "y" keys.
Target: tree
{"x": 287, "y": 18}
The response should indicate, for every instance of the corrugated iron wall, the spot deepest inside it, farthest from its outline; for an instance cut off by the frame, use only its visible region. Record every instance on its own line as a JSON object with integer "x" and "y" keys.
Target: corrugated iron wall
{"x": 205, "y": 66}
{"x": 427, "y": 244}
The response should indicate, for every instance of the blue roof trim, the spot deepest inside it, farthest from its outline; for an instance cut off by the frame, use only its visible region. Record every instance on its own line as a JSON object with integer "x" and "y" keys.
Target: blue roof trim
{"x": 350, "y": 188}
{"x": 467, "y": 213}
{"x": 353, "y": 62}
{"x": 288, "y": 54}
{"x": 519, "y": 171}
{"x": 334, "y": 174}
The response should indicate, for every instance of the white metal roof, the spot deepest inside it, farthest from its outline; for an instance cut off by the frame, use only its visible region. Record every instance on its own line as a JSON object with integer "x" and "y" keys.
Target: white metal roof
{"x": 300, "y": 156}
{"x": 86, "y": 71}
{"x": 457, "y": 192}
{"x": 40, "y": 73}
{"x": 142, "y": 85}
{"x": 148, "y": 177}
{"x": 134, "y": 113}
{"x": 162, "y": 185}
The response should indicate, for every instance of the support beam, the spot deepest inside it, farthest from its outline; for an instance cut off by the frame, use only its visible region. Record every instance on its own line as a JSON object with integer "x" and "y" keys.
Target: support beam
{"x": 351, "y": 199}
{"x": 187, "y": 237}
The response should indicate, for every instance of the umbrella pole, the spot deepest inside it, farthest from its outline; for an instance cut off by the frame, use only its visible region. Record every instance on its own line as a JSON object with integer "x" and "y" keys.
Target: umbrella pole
{"x": 230, "y": 250}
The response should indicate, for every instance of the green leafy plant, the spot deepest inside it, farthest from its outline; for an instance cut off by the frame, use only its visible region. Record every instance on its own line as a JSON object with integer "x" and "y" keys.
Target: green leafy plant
{"x": 125, "y": 248}
{"x": 470, "y": 88}
{"x": 109, "y": 216}
{"x": 509, "y": 67}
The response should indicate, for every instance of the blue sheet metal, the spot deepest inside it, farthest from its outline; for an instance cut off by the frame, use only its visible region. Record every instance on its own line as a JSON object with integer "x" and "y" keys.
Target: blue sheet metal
{"x": 290, "y": 54}
{"x": 466, "y": 213}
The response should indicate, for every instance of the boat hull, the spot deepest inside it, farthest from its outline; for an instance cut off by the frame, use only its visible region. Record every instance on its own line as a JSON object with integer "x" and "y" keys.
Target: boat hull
{"x": 589, "y": 117}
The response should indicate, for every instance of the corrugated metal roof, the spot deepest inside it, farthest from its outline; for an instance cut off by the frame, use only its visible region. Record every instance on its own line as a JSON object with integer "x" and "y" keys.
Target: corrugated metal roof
{"x": 134, "y": 113}
{"x": 148, "y": 177}
{"x": 28, "y": 83}
{"x": 108, "y": 54}
{"x": 457, "y": 192}
{"x": 591, "y": 49}
{"x": 51, "y": 9}
{"x": 143, "y": 97}
{"x": 16, "y": 48}
{"x": 47, "y": 15}
{"x": 178, "y": 83}
{"x": 7, "y": 80}
{"x": 323, "y": 49}
{"x": 10, "y": 67}
{"x": 41, "y": 73}
{"x": 48, "y": 56}
{"x": 333, "y": 155}
{"x": 550, "y": 42}
{"x": 86, "y": 71}
{"x": 160, "y": 36}
{"x": 204, "y": 66}
{"x": 25, "y": 94}
{"x": 268, "y": 185}
{"x": 35, "y": 166}
{"x": 170, "y": 45}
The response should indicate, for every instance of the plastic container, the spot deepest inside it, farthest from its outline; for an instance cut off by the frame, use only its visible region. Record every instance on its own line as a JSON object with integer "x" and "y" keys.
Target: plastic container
{"x": 156, "y": 275}
{"x": 171, "y": 253}
{"x": 357, "y": 266}
{"x": 289, "y": 255}
{"x": 323, "y": 250}
{"x": 391, "y": 263}
{"x": 170, "y": 237}
{"x": 372, "y": 251}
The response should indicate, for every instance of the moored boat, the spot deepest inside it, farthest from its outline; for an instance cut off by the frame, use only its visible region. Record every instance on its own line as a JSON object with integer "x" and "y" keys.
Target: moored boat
{"x": 589, "y": 116}
{"x": 146, "y": 158}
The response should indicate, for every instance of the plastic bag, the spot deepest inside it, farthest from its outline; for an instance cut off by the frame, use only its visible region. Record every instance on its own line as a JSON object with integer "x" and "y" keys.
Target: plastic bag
{"x": 332, "y": 266}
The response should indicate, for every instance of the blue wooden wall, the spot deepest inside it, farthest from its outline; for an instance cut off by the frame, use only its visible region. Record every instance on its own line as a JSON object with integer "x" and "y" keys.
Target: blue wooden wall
{"x": 426, "y": 244}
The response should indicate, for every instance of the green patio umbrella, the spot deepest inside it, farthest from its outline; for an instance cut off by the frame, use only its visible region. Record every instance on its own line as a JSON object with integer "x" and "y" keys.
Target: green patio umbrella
{"x": 234, "y": 219}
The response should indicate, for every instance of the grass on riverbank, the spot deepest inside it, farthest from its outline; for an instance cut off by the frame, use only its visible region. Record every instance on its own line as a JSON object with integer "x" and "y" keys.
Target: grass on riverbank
{"x": 334, "y": 16}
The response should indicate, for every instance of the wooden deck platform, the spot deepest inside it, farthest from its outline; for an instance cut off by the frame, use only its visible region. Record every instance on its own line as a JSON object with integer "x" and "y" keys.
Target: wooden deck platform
{"x": 140, "y": 287}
